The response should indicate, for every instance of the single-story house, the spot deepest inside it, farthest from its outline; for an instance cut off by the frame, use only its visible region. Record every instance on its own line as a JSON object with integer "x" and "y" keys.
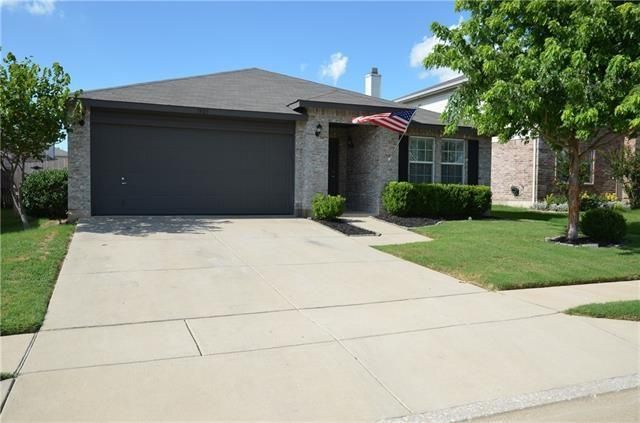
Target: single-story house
{"x": 522, "y": 173}
{"x": 252, "y": 142}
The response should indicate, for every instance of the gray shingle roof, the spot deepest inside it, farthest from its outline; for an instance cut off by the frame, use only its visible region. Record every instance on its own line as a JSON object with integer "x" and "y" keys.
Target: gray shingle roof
{"x": 246, "y": 90}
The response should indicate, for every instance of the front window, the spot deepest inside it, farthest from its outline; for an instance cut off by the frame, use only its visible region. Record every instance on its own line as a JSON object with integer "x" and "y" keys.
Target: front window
{"x": 420, "y": 160}
{"x": 586, "y": 175}
{"x": 452, "y": 162}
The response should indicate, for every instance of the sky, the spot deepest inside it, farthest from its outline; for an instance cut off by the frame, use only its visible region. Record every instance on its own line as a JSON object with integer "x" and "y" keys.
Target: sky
{"x": 108, "y": 43}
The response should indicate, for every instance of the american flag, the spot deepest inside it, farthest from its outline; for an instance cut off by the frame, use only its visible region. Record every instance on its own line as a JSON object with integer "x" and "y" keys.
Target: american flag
{"x": 396, "y": 121}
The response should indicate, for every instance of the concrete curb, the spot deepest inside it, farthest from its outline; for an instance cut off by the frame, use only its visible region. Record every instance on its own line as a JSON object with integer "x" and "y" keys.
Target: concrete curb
{"x": 520, "y": 402}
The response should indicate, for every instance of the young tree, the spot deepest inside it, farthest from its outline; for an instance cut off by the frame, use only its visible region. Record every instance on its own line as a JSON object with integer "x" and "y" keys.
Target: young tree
{"x": 565, "y": 71}
{"x": 37, "y": 107}
{"x": 625, "y": 167}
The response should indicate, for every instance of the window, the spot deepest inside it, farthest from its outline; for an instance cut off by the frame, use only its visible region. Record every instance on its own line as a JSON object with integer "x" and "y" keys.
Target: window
{"x": 420, "y": 160}
{"x": 452, "y": 161}
{"x": 587, "y": 176}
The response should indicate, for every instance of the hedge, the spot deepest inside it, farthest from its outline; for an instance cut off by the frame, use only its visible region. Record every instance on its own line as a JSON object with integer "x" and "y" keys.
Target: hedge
{"x": 44, "y": 193}
{"x": 436, "y": 200}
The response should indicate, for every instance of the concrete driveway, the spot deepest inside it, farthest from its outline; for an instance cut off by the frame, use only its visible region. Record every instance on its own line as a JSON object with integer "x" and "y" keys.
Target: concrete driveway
{"x": 163, "y": 318}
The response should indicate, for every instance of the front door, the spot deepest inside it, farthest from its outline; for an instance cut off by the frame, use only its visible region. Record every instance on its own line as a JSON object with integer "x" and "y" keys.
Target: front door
{"x": 333, "y": 166}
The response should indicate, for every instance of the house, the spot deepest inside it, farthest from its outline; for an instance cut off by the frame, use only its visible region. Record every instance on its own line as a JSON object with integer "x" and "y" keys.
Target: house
{"x": 522, "y": 173}
{"x": 252, "y": 142}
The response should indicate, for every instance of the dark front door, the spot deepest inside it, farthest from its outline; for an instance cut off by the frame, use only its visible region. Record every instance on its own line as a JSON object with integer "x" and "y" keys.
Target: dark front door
{"x": 144, "y": 164}
{"x": 334, "y": 166}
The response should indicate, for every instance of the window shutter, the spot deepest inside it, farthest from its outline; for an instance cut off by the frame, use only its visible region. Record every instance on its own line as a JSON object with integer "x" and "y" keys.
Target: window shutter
{"x": 403, "y": 159}
{"x": 472, "y": 173}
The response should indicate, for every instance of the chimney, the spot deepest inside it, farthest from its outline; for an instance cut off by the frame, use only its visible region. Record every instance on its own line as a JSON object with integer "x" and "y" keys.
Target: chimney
{"x": 373, "y": 83}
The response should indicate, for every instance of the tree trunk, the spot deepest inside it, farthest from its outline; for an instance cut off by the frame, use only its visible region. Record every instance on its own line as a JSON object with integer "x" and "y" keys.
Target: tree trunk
{"x": 15, "y": 194}
{"x": 573, "y": 194}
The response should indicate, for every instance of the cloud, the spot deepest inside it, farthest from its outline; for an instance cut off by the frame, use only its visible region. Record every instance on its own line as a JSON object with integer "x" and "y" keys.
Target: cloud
{"x": 35, "y": 7}
{"x": 41, "y": 7}
{"x": 303, "y": 67}
{"x": 420, "y": 50}
{"x": 336, "y": 67}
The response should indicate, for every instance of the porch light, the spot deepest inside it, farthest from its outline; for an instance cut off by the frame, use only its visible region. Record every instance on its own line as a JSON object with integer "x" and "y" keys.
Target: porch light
{"x": 318, "y": 130}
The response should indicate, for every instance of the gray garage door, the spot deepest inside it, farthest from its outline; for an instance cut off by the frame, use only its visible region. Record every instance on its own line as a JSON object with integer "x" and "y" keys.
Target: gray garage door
{"x": 172, "y": 164}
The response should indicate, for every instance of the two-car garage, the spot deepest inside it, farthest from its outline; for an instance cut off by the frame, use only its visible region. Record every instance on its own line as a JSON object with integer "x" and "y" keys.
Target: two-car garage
{"x": 145, "y": 163}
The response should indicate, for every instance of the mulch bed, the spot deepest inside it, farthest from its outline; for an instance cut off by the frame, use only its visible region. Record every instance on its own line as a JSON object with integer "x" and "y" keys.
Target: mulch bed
{"x": 408, "y": 222}
{"x": 582, "y": 241}
{"x": 347, "y": 228}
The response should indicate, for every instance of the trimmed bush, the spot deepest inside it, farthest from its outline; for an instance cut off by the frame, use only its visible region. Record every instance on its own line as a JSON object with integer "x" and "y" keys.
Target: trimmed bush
{"x": 327, "y": 207}
{"x": 436, "y": 200}
{"x": 605, "y": 226}
{"x": 44, "y": 193}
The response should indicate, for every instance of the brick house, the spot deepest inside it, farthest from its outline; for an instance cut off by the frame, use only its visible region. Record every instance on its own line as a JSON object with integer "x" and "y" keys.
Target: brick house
{"x": 252, "y": 142}
{"x": 522, "y": 173}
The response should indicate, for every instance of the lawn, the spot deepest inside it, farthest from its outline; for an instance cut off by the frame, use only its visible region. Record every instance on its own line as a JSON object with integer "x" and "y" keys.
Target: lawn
{"x": 31, "y": 260}
{"x": 508, "y": 251}
{"x": 621, "y": 310}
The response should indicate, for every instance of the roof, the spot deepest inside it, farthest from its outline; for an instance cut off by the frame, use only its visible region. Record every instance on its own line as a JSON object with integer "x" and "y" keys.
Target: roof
{"x": 61, "y": 153}
{"x": 245, "y": 92}
{"x": 434, "y": 89}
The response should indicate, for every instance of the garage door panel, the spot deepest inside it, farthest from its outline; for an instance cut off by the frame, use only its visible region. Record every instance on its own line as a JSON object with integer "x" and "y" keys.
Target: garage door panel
{"x": 171, "y": 170}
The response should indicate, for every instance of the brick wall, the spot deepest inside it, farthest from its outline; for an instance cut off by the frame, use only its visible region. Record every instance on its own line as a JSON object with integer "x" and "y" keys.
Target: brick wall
{"x": 512, "y": 165}
{"x": 484, "y": 151}
{"x": 79, "y": 142}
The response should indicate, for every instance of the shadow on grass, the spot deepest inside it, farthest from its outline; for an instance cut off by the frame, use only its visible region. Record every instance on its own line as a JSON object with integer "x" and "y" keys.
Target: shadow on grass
{"x": 525, "y": 215}
{"x": 11, "y": 222}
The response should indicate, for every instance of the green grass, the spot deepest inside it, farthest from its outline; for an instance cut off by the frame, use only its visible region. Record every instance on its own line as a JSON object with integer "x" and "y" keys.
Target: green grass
{"x": 508, "y": 251}
{"x": 620, "y": 310}
{"x": 30, "y": 263}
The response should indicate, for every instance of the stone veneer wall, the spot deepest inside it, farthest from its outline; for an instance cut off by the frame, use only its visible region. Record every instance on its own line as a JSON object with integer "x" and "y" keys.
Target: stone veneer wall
{"x": 79, "y": 143}
{"x": 371, "y": 163}
{"x": 367, "y": 167}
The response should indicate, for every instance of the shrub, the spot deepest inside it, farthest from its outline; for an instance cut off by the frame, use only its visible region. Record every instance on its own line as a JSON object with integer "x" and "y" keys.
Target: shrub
{"x": 604, "y": 225}
{"x": 327, "y": 207}
{"x": 436, "y": 200}
{"x": 590, "y": 201}
{"x": 44, "y": 193}
{"x": 396, "y": 197}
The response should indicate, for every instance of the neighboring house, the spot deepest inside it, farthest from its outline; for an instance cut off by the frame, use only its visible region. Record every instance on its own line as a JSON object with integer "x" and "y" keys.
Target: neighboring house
{"x": 54, "y": 158}
{"x": 521, "y": 173}
{"x": 252, "y": 142}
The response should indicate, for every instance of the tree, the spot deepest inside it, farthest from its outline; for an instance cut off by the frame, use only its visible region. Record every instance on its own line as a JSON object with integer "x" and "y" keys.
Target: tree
{"x": 37, "y": 107}
{"x": 625, "y": 167}
{"x": 565, "y": 71}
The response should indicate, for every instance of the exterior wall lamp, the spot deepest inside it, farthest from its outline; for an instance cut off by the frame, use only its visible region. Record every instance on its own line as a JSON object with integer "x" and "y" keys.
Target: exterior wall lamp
{"x": 318, "y": 130}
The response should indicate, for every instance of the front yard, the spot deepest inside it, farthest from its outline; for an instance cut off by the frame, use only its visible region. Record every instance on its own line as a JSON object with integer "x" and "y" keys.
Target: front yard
{"x": 508, "y": 251}
{"x": 31, "y": 260}
{"x": 620, "y": 310}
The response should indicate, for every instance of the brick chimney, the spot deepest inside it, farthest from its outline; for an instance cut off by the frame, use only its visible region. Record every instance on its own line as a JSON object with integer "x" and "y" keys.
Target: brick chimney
{"x": 373, "y": 83}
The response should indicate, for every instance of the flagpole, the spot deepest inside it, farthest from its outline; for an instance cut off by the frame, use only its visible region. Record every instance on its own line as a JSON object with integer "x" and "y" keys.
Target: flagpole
{"x": 404, "y": 132}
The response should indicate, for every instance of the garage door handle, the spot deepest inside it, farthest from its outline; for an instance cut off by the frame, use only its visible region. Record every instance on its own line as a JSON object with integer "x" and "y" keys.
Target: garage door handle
{"x": 123, "y": 181}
